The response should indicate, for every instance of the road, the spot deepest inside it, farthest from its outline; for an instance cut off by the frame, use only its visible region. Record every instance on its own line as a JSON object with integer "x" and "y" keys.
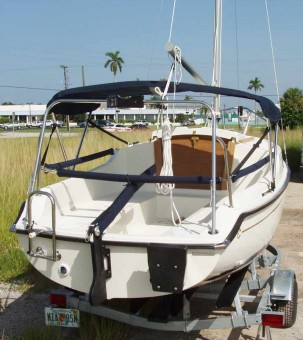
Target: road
{"x": 20, "y": 134}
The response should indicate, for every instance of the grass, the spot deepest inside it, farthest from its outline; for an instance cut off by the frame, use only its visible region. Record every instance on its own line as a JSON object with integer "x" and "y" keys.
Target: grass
{"x": 17, "y": 156}
{"x": 17, "y": 161}
{"x": 92, "y": 327}
{"x": 16, "y": 166}
{"x": 293, "y": 140}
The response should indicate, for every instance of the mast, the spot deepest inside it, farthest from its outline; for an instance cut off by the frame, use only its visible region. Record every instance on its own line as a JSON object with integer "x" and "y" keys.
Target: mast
{"x": 216, "y": 80}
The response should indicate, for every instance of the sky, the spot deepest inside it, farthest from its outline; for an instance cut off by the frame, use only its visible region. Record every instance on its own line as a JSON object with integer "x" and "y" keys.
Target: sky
{"x": 37, "y": 36}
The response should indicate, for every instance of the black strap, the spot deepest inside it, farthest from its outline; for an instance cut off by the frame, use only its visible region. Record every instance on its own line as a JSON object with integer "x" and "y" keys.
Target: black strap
{"x": 79, "y": 160}
{"x": 144, "y": 178}
{"x": 251, "y": 168}
{"x": 107, "y": 132}
{"x": 253, "y": 149}
{"x": 54, "y": 126}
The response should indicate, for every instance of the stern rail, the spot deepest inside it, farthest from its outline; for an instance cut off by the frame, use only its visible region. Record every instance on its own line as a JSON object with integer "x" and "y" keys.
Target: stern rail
{"x": 32, "y": 233}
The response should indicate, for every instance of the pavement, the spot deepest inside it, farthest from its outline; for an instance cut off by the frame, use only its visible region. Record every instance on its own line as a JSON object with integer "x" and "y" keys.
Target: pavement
{"x": 19, "y": 134}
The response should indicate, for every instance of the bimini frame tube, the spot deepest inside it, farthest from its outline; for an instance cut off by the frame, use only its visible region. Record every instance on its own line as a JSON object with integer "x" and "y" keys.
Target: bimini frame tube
{"x": 38, "y": 157}
{"x": 82, "y": 137}
{"x": 86, "y": 101}
{"x": 213, "y": 181}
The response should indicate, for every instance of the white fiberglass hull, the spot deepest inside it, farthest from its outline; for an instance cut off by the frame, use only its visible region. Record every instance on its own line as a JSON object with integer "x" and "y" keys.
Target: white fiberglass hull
{"x": 130, "y": 276}
{"x": 125, "y": 260}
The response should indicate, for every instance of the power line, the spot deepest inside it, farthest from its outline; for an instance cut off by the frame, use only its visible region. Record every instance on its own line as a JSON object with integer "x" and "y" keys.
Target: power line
{"x": 29, "y": 88}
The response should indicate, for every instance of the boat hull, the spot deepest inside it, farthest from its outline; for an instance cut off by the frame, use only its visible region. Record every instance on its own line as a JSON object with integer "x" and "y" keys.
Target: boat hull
{"x": 128, "y": 264}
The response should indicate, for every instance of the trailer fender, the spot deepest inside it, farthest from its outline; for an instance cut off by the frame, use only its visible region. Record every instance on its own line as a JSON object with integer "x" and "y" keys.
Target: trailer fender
{"x": 282, "y": 286}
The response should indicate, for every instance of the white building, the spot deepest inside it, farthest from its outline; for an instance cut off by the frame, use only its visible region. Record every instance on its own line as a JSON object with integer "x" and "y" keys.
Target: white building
{"x": 30, "y": 112}
{"x": 22, "y": 113}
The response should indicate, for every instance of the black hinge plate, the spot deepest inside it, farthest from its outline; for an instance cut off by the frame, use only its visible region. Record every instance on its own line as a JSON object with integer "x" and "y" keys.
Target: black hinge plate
{"x": 108, "y": 267}
{"x": 166, "y": 267}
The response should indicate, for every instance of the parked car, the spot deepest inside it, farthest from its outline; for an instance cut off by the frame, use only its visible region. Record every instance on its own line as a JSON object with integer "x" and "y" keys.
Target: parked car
{"x": 59, "y": 123}
{"x": 139, "y": 126}
{"x": 49, "y": 123}
{"x": 142, "y": 122}
{"x": 16, "y": 126}
{"x": 117, "y": 127}
{"x": 103, "y": 122}
{"x": 189, "y": 122}
{"x": 34, "y": 124}
{"x": 81, "y": 123}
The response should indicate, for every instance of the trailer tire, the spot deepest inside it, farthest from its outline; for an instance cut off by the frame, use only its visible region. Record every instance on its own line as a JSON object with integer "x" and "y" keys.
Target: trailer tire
{"x": 289, "y": 308}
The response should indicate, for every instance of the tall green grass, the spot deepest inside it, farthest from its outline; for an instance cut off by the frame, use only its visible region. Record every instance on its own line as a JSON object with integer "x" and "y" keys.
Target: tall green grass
{"x": 17, "y": 159}
{"x": 293, "y": 140}
{"x": 92, "y": 327}
{"x": 16, "y": 166}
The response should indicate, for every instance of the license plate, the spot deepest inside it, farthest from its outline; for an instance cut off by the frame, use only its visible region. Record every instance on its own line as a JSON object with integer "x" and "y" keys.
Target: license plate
{"x": 62, "y": 317}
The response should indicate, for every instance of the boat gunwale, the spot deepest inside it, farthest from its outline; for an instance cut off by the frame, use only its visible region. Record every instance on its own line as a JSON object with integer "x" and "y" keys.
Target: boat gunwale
{"x": 221, "y": 245}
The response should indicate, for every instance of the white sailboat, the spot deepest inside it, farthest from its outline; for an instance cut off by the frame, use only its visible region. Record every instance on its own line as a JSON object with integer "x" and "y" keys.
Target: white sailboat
{"x": 188, "y": 207}
{"x": 110, "y": 230}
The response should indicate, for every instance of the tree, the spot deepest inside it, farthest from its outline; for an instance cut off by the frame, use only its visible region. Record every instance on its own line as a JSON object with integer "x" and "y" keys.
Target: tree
{"x": 188, "y": 98}
{"x": 292, "y": 107}
{"x": 255, "y": 84}
{"x": 115, "y": 62}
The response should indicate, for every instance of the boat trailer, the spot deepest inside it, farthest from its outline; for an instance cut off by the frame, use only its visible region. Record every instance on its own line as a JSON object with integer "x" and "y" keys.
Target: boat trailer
{"x": 261, "y": 294}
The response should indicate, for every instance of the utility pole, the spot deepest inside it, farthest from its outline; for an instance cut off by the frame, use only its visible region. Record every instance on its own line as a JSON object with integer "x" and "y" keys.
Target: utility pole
{"x": 66, "y": 78}
{"x": 66, "y": 81}
{"x": 83, "y": 76}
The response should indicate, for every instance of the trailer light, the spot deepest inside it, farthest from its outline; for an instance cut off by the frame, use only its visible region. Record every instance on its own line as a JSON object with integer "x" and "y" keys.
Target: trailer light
{"x": 273, "y": 319}
{"x": 57, "y": 299}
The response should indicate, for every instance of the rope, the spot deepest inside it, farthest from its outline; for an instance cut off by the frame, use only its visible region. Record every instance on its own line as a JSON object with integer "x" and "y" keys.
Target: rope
{"x": 177, "y": 67}
{"x": 167, "y": 170}
{"x": 167, "y": 167}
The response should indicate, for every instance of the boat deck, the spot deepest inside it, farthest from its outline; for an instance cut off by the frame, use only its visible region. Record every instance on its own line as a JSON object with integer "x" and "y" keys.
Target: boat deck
{"x": 147, "y": 217}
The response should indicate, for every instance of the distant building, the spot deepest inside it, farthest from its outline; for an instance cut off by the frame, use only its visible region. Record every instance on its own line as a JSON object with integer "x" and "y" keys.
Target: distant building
{"x": 30, "y": 112}
{"x": 22, "y": 113}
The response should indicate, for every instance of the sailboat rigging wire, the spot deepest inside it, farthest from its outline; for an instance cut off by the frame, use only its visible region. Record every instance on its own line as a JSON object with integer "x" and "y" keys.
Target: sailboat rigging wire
{"x": 276, "y": 78}
{"x": 172, "y": 21}
{"x": 272, "y": 51}
{"x": 237, "y": 45}
{"x": 155, "y": 39}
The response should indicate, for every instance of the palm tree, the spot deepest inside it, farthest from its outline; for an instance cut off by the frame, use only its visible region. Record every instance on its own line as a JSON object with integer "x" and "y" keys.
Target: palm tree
{"x": 255, "y": 84}
{"x": 115, "y": 62}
